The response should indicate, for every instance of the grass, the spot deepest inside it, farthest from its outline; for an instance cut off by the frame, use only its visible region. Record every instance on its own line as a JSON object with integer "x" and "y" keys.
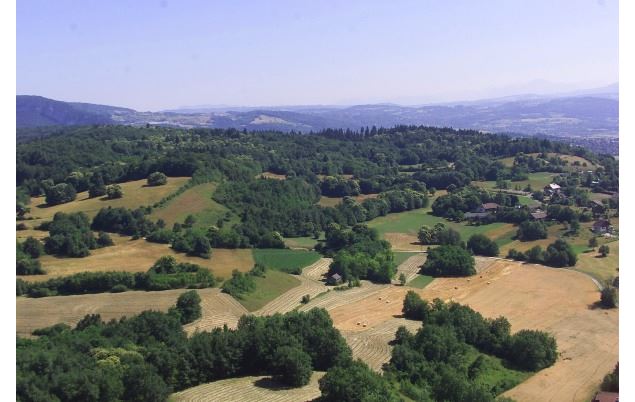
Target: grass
{"x": 536, "y": 180}
{"x": 196, "y": 201}
{"x": 135, "y": 194}
{"x": 403, "y": 256}
{"x": 601, "y": 268}
{"x": 494, "y": 375}
{"x": 420, "y": 281}
{"x": 307, "y": 242}
{"x": 284, "y": 259}
{"x": 268, "y": 288}
{"x": 333, "y": 201}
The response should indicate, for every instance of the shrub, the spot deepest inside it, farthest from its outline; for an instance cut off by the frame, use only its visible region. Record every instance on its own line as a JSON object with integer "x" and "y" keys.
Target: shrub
{"x": 104, "y": 240}
{"x": 535, "y": 255}
{"x": 119, "y": 288}
{"x": 157, "y": 179}
{"x": 532, "y": 350}
{"x": 163, "y": 236}
{"x": 516, "y": 255}
{"x": 604, "y": 250}
{"x": 414, "y": 307}
{"x": 32, "y": 247}
{"x": 482, "y": 245}
{"x": 114, "y": 191}
{"x": 305, "y": 299}
{"x": 608, "y": 297}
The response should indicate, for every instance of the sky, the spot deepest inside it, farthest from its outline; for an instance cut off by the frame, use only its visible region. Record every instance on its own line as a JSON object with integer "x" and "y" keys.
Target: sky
{"x": 155, "y": 55}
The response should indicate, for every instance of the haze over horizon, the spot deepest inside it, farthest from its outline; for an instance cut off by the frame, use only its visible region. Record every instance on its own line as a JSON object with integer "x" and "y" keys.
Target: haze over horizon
{"x": 157, "y": 55}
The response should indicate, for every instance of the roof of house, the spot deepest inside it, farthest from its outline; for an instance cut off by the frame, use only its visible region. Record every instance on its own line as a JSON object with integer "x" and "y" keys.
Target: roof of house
{"x": 490, "y": 205}
{"x": 336, "y": 276}
{"x": 539, "y": 215}
{"x": 478, "y": 215}
{"x": 598, "y": 202}
{"x": 553, "y": 186}
{"x": 601, "y": 223}
{"x": 606, "y": 397}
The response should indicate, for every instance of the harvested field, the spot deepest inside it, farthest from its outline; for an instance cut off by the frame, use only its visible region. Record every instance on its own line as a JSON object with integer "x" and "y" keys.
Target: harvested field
{"x": 318, "y": 269}
{"x": 32, "y": 314}
{"x": 410, "y": 267}
{"x": 336, "y": 298}
{"x": 135, "y": 194}
{"x": 218, "y": 309}
{"x": 532, "y": 297}
{"x": 291, "y": 298}
{"x": 372, "y": 344}
{"x": 404, "y": 241}
{"x": 138, "y": 256}
{"x": 250, "y": 389}
{"x": 23, "y": 234}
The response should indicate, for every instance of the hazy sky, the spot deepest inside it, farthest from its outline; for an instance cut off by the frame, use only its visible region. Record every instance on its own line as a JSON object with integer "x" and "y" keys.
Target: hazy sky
{"x": 152, "y": 55}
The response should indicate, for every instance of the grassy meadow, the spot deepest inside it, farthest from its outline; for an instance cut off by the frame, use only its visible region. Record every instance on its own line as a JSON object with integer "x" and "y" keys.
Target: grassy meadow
{"x": 284, "y": 259}
{"x": 268, "y": 288}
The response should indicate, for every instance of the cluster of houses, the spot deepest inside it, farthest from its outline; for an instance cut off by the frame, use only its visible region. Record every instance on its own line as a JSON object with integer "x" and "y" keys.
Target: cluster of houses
{"x": 487, "y": 211}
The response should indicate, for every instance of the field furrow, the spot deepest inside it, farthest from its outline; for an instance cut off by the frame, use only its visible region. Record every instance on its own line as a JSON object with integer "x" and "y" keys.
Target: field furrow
{"x": 318, "y": 269}
{"x": 249, "y": 389}
{"x": 410, "y": 267}
{"x": 291, "y": 299}
{"x": 336, "y": 298}
{"x": 218, "y": 309}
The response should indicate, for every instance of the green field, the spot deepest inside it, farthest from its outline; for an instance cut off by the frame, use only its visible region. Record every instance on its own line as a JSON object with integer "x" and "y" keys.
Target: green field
{"x": 400, "y": 257}
{"x": 268, "y": 288}
{"x": 411, "y": 221}
{"x": 196, "y": 201}
{"x": 536, "y": 180}
{"x": 493, "y": 374}
{"x": 302, "y": 242}
{"x": 420, "y": 281}
{"x": 284, "y": 259}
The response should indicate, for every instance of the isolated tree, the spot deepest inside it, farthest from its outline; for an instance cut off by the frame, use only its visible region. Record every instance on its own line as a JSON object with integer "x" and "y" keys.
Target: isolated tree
{"x": 402, "y": 279}
{"x": 608, "y": 297}
{"x": 535, "y": 255}
{"x": 157, "y": 179}
{"x": 532, "y": 350}
{"x": 96, "y": 186}
{"x": 593, "y": 242}
{"x": 189, "y": 306}
{"x": 604, "y": 250}
{"x": 114, "y": 191}
{"x": 104, "y": 240}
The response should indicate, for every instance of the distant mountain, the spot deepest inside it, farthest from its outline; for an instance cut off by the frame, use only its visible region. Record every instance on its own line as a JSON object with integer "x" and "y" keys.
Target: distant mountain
{"x": 589, "y": 113}
{"x": 37, "y": 111}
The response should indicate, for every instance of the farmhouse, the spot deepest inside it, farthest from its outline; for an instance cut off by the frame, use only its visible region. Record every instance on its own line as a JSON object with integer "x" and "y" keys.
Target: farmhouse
{"x": 597, "y": 207}
{"x": 490, "y": 207}
{"x": 606, "y": 397}
{"x": 602, "y": 226}
{"x": 538, "y": 215}
{"x": 551, "y": 189}
{"x": 334, "y": 279}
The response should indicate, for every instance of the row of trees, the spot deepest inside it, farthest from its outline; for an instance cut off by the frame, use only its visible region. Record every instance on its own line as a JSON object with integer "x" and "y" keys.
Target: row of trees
{"x": 165, "y": 274}
{"x": 558, "y": 254}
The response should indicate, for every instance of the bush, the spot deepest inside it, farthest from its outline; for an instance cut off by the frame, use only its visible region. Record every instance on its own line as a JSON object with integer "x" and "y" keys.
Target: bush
{"x": 449, "y": 261}
{"x": 611, "y": 382}
{"x": 32, "y": 247}
{"x": 114, "y": 191}
{"x": 560, "y": 254}
{"x": 532, "y": 350}
{"x": 70, "y": 235}
{"x": 163, "y": 236}
{"x": 60, "y": 194}
{"x": 535, "y": 255}
{"x": 604, "y": 250}
{"x": 104, "y": 240}
{"x": 305, "y": 299}
{"x": 119, "y": 288}
{"x": 516, "y": 255}
{"x": 21, "y": 226}
{"x": 415, "y": 308}
{"x": 157, "y": 179}
{"x": 481, "y": 245}
{"x": 355, "y": 382}
{"x": 292, "y": 366}
{"x": 608, "y": 297}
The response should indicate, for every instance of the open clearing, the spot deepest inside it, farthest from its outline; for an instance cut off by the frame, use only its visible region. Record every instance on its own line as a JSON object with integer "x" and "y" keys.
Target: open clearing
{"x": 218, "y": 309}
{"x": 274, "y": 286}
{"x": 410, "y": 267}
{"x": 250, "y": 389}
{"x": 43, "y": 312}
{"x": 333, "y": 201}
{"x": 531, "y": 297}
{"x": 196, "y": 201}
{"x": 271, "y": 175}
{"x": 285, "y": 259}
{"x": 135, "y": 194}
{"x": 138, "y": 256}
